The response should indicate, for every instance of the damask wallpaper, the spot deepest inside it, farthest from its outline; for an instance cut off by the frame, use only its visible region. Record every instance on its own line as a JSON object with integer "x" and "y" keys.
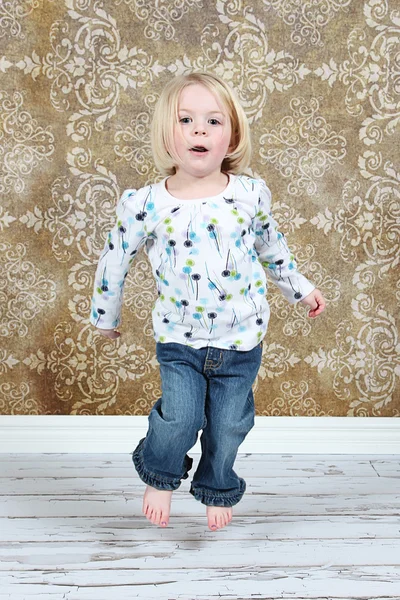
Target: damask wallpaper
{"x": 320, "y": 83}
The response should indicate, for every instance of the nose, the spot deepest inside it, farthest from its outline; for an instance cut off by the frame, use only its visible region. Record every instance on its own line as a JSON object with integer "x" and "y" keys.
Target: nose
{"x": 199, "y": 129}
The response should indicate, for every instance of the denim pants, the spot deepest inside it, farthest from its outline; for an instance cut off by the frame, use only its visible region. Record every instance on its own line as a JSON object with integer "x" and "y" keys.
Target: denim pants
{"x": 209, "y": 389}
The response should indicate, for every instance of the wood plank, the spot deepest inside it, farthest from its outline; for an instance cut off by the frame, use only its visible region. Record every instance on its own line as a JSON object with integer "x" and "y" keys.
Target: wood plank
{"x": 264, "y": 583}
{"x": 42, "y": 466}
{"x": 138, "y": 528}
{"x": 295, "y": 486}
{"x": 126, "y": 504}
{"x": 28, "y": 556}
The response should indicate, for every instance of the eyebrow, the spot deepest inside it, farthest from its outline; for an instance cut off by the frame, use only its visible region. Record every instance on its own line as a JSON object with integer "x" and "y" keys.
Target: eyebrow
{"x": 212, "y": 112}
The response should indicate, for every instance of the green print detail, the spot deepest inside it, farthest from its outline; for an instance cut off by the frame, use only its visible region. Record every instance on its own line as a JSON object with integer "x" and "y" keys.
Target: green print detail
{"x": 167, "y": 221}
{"x": 172, "y": 299}
{"x": 233, "y": 273}
{"x": 238, "y": 342}
{"x": 162, "y": 338}
{"x": 258, "y": 283}
{"x": 199, "y": 309}
{"x": 162, "y": 297}
{"x": 214, "y": 221}
{"x": 99, "y": 290}
{"x": 261, "y": 215}
{"x": 265, "y": 263}
{"x": 240, "y": 220}
{"x": 229, "y": 297}
{"x": 190, "y": 262}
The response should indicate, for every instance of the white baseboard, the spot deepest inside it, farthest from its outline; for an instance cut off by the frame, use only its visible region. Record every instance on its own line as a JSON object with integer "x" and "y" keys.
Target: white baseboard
{"x": 276, "y": 435}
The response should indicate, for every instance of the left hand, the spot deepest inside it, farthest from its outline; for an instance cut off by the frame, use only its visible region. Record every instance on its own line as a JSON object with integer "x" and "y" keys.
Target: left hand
{"x": 316, "y": 301}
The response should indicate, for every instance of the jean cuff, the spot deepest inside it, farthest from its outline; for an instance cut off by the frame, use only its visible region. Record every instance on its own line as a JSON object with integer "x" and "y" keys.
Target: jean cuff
{"x": 215, "y": 498}
{"x": 160, "y": 482}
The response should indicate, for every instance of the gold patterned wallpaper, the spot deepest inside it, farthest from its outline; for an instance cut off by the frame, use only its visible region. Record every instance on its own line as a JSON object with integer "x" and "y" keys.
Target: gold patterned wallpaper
{"x": 320, "y": 83}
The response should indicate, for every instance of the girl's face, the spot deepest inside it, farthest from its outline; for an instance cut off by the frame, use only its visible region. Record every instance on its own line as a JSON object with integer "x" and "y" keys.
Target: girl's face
{"x": 203, "y": 121}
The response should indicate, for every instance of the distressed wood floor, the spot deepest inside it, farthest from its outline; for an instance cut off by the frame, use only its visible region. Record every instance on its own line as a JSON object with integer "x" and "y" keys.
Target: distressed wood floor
{"x": 324, "y": 526}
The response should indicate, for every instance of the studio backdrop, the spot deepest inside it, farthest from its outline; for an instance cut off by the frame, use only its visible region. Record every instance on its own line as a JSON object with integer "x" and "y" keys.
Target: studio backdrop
{"x": 319, "y": 83}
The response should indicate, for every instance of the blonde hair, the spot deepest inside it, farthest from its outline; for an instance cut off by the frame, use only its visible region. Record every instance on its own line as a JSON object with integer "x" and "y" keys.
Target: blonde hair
{"x": 166, "y": 115}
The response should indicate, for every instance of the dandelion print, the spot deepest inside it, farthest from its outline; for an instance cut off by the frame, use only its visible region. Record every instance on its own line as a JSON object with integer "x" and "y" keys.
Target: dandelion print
{"x": 226, "y": 272}
{"x": 212, "y": 256}
{"x": 196, "y": 277}
{"x": 213, "y": 231}
{"x": 187, "y": 269}
{"x": 98, "y": 314}
{"x": 212, "y": 316}
{"x": 212, "y": 285}
{"x": 188, "y": 334}
{"x": 109, "y": 244}
{"x": 122, "y": 230}
{"x": 140, "y": 216}
{"x": 104, "y": 283}
{"x": 162, "y": 276}
{"x": 234, "y": 321}
{"x": 171, "y": 244}
{"x": 198, "y": 315}
{"x": 188, "y": 242}
{"x": 184, "y": 303}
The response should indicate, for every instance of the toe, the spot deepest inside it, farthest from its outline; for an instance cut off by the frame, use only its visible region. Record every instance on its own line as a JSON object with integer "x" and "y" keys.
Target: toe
{"x": 163, "y": 520}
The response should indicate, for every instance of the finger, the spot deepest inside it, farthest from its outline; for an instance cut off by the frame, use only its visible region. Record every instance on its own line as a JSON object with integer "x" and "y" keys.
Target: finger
{"x": 112, "y": 335}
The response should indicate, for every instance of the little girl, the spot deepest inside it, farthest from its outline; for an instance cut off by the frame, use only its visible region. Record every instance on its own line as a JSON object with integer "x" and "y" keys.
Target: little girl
{"x": 208, "y": 232}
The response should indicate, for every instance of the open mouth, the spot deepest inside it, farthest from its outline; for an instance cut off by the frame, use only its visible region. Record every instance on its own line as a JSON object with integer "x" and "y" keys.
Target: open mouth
{"x": 198, "y": 149}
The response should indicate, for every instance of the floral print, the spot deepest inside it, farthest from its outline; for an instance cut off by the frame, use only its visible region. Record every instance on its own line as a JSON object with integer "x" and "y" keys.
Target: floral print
{"x": 209, "y": 257}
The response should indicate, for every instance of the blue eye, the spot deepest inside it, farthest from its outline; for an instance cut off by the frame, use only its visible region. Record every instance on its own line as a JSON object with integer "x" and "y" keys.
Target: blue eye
{"x": 180, "y": 120}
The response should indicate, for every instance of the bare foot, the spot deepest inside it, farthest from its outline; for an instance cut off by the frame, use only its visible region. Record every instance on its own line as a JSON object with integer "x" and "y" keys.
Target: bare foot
{"x": 218, "y": 516}
{"x": 157, "y": 505}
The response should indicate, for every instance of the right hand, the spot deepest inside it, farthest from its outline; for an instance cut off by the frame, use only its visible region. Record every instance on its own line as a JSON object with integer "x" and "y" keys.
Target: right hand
{"x": 110, "y": 333}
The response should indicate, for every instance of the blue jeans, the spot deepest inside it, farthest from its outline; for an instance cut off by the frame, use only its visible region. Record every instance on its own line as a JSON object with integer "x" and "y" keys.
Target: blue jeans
{"x": 209, "y": 389}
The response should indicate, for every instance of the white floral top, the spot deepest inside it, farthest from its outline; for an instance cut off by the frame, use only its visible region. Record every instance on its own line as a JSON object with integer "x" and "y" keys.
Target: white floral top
{"x": 207, "y": 258}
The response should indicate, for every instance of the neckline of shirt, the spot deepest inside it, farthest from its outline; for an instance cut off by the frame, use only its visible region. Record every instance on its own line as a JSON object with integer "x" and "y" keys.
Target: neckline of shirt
{"x": 205, "y": 198}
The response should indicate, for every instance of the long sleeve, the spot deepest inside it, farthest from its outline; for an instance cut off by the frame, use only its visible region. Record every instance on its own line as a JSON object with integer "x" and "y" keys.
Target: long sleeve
{"x": 122, "y": 244}
{"x": 274, "y": 253}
